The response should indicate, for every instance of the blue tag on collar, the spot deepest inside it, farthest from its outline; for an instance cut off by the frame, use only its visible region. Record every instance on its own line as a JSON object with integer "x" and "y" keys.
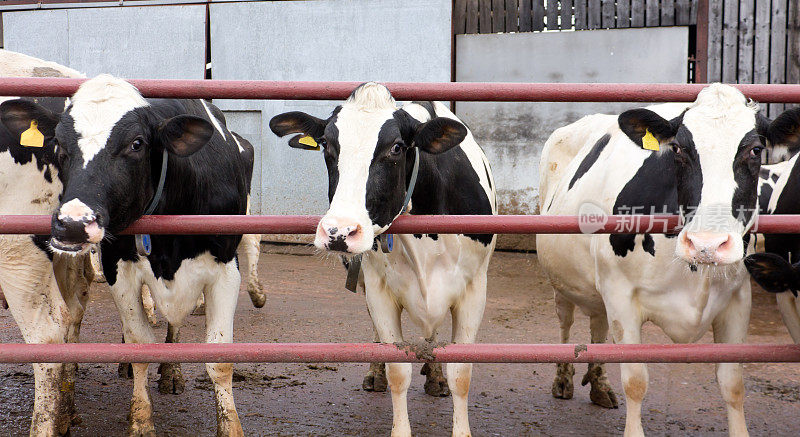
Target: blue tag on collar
{"x": 143, "y": 244}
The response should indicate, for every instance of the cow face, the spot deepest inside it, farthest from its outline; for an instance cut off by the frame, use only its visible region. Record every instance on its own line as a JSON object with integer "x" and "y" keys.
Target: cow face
{"x": 110, "y": 144}
{"x": 713, "y": 151}
{"x": 369, "y": 150}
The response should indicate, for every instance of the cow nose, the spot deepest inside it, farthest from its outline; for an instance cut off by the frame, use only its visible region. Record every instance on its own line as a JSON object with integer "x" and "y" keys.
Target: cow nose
{"x": 708, "y": 247}
{"x": 338, "y": 233}
{"x": 68, "y": 229}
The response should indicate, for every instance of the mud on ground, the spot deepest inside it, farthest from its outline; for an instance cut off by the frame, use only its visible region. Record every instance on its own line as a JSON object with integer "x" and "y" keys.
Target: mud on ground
{"x": 307, "y": 302}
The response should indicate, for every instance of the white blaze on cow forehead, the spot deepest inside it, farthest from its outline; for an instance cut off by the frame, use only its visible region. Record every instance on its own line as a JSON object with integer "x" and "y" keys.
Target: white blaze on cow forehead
{"x": 359, "y": 122}
{"x": 97, "y": 106}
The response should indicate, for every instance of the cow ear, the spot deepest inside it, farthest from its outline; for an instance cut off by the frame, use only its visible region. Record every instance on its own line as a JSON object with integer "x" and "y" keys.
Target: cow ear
{"x": 18, "y": 114}
{"x": 772, "y": 272}
{"x": 439, "y": 135}
{"x": 636, "y": 123}
{"x": 784, "y": 133}
{"x": 184, "y": 135}
{"x": 296, "y": 122}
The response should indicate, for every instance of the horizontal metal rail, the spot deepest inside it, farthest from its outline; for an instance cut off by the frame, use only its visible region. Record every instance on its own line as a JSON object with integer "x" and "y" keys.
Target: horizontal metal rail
{"x": 457, "y": 91}
{"x": 407, "y": 224}
{"x": 382, "y": 352}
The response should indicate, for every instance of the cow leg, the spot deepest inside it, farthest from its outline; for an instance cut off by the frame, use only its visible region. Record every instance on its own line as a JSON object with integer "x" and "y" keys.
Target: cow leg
{"x": 136, "y": 329}
{"x": 385, "y": 315}
{"x": 250, "y": 247}
{"x": 43, "y": 317}
{"x": 466, "y": 314}
{"x": 74, "y": 276}
{"x": 435, "y": 382}
{"x": 626, "y": 327}
{"x": 220, "y": 300}
{"x": 730, "y": 326}
{"x": 171, "y": 380}
{"x": 375, "y": 380}
{"x": 149, "y": 305}
{"x": 562, "y": 385}
{"x": 788, "y": 306}
{"x": 601, "y": 393}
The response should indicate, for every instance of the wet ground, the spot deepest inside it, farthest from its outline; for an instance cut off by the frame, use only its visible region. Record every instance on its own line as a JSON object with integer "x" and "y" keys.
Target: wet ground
{"x": 307, "y": 303}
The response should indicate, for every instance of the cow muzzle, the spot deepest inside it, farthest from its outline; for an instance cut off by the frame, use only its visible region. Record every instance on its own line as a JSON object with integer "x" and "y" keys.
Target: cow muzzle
{"x": 341, "y": 234}
{"x": 709, "y": 247}
{"x": 74, "y": 228}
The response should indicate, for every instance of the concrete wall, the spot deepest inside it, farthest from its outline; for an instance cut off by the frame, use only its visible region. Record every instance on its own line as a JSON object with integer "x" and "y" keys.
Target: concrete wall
{"x": 318, "y": 40}
{"x": 512, "y": 134}
{"x": 132, "y": 42}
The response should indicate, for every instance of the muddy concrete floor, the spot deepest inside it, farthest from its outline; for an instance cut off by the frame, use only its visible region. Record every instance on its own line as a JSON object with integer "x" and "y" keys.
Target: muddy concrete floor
{"x": 307, "y": 303}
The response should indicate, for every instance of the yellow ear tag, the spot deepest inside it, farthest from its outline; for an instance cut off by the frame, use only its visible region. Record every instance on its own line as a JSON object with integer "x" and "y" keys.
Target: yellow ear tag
{"x": 32, "y": 137}
{"x": 308, "y": 141}
{"x": 650, "y": 142}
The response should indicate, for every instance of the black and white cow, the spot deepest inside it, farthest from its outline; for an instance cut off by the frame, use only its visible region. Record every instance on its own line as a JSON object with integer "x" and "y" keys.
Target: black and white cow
{"x": 369, "y": 145}
{"x": 45, "y": 293}
{"x": 705, "y": 166}
{"x": 111, "y": 146}
{"x": 779, "y": 193}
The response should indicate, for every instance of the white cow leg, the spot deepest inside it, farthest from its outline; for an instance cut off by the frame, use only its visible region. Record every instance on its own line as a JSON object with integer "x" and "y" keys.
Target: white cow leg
{"x": 730, "y": 326}
{"x": 250, "y": 247}
{"x": 626, "y": 327}
{"x": 385, "y": 315}
{"x": 43, "y": 317}
{"x": 220, "y": 302}
{"x": 467, "y": 315}
{"x": 562, "y": 385}
{"x": 136, "y": 329}
{"x": 788, "y": 306}
{"x": 601, "y": 393}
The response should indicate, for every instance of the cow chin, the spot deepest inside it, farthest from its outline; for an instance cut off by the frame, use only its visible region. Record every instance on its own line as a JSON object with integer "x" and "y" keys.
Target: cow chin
{"x": 65, "y": 248}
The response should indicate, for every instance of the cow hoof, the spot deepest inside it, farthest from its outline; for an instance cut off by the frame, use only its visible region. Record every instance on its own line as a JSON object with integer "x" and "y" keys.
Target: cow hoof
{"x": 171, "y": 380}
{"x": 125, "y": 371}
{"x": 562, "y": 385}
{"x": 376, "y": 378}
{"x": 142, "y": 432}
{"x": 603, "y": 395}
{"x": 435, "y": 382}
{"x": 200, "y": 310}
{"x": 257, "y": 295}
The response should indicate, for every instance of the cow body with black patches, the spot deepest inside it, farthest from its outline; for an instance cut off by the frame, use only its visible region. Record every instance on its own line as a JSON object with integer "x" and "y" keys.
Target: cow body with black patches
{"x": 369, "y": 147}
{"x": 45, "y": 293}
{"x": 706, "y": 168}
{"x": 111, "y": 146}
{"x": 779, "y": 193}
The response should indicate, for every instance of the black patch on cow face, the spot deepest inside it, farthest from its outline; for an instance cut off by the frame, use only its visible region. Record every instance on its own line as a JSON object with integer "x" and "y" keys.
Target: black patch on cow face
{"x": 763, "y": 198}
{"x": 649, "y": 245}
{"x": 666, "y": 182}
{"x": 746, "y": 166}
{"x": 590, "y": 159}
{"x": 387, "y": 183}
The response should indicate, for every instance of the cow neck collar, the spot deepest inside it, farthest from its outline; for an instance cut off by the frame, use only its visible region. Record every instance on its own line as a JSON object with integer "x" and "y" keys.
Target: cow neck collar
{"x": 143, "y": 243}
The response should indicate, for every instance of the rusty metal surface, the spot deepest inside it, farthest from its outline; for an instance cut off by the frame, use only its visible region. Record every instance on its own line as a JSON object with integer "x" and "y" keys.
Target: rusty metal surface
{"x": 381, "y": 352}
{"x": 408, "y": 224}
{"x": 460, "y": 91}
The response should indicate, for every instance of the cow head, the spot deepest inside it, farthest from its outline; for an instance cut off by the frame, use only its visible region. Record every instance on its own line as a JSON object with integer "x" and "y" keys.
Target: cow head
{"x": 369, "y": 146}
{"x": 713, "y": 151}
{"x": 110, "y": 144}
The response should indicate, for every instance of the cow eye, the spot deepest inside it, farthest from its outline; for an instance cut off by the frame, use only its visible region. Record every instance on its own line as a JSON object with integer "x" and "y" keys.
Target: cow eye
{"x": 322, "y": 143}
{"x": 136, "y": 145}
{"x": 397, "y": 148}
{"x": 756, "y": 151}
{"x": 676, "y": 149}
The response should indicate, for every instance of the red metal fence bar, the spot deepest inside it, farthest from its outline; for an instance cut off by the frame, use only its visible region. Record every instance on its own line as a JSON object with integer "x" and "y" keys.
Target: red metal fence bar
{"x": 455, "y": 91}
{"x": 377, "y": 352}
{"x": 416, "y": 224}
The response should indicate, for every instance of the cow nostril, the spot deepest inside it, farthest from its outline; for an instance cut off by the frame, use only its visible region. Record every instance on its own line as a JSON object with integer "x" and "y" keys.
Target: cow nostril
{"x": 354, "y": 231}
{"x": 333, "y": 231}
